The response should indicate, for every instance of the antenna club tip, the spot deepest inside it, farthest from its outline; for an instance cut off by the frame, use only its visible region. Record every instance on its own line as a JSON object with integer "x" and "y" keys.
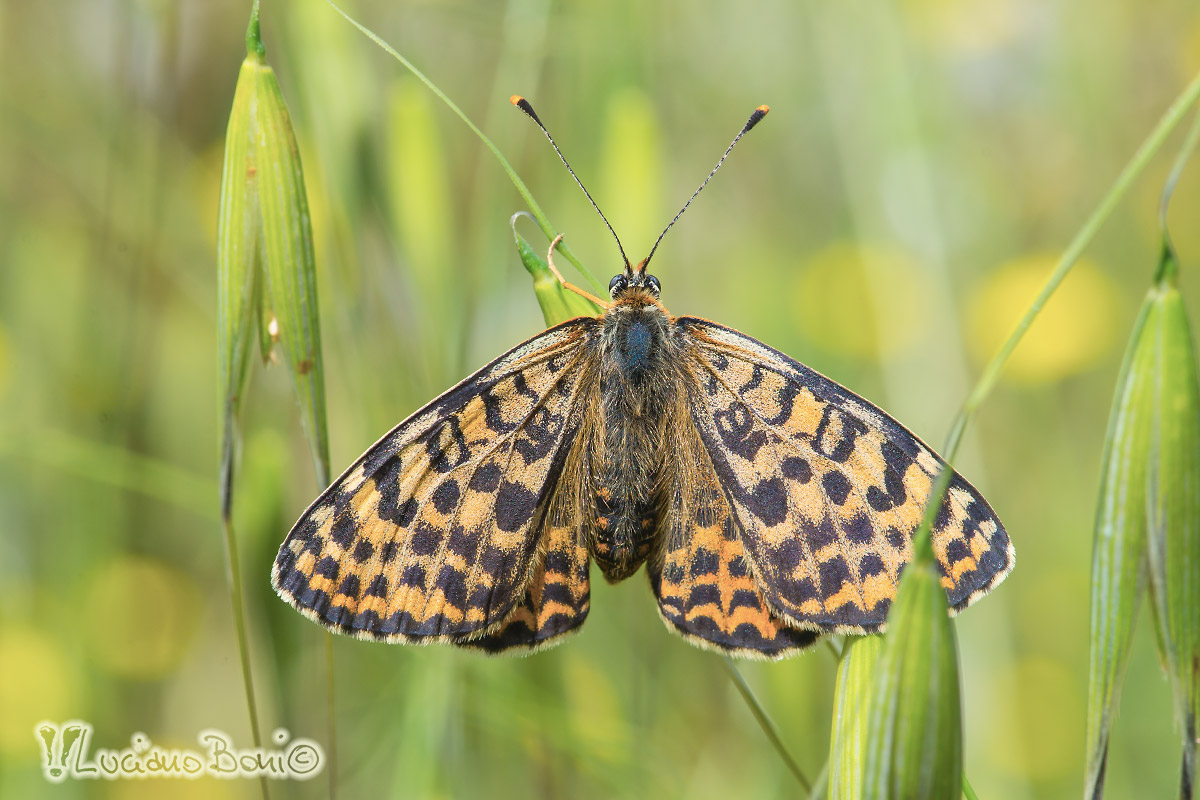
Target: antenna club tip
{"x": 756, "y": 117}
{"x": 523, "y": 104}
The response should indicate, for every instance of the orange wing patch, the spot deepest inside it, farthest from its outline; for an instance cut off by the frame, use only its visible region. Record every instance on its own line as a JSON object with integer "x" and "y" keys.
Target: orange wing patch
{"x": 701, "y": 575}
{"x": 827, "y": 490}
{"x": 433, "y": 533}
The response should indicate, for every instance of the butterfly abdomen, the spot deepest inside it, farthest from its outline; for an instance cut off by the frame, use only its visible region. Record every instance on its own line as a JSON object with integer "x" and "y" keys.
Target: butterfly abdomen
{"x": 622, "y": 532}
{"x": 637, "y": 394}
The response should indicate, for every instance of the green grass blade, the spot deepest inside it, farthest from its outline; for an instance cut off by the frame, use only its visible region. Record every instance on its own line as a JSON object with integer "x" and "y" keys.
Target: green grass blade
{"x": 851, "y": 699}
{"x": 914, "y": 718}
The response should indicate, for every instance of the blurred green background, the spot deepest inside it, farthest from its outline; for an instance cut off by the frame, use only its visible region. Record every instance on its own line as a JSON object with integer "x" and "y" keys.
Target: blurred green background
{"x": 923, "y": 164}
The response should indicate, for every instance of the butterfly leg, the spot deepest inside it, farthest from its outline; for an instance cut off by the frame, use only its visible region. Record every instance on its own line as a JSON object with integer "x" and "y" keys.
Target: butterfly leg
{"x": 567, "y": 284}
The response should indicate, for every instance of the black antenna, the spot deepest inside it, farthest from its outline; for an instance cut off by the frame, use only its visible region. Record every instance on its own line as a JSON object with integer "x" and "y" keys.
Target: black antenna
{"x": 523, "y": 104}
{"x": 755, "y": 118}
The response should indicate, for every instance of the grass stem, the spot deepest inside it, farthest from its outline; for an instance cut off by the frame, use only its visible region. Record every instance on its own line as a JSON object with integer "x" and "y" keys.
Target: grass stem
{"x": 239, "y": 621}
{"x": 1185, "y": 153}
{"x": 765, "y": 722}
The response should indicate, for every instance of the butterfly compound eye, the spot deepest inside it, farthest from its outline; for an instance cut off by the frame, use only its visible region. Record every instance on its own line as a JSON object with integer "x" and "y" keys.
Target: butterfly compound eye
{"x": 654, "y": 284}
{"x": 616, "y": 285}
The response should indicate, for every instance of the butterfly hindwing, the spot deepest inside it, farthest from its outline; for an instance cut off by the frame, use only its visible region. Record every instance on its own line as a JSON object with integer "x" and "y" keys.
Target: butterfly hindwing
{"x": 826, "y": 489}
{"x": 555, "y": 601}
{"x": 701, "y": 575}
{"x": 433, "y": 533}
{"x": 558, "y": 595}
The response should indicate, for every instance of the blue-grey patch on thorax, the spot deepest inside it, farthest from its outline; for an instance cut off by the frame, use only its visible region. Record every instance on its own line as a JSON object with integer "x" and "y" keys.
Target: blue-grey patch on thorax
{"x": 633, "y": 349}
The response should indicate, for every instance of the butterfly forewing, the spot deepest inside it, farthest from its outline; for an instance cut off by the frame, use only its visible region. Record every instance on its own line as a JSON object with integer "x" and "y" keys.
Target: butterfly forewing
{"x": 827, "y": 490}
{"x": 434, "y": 533}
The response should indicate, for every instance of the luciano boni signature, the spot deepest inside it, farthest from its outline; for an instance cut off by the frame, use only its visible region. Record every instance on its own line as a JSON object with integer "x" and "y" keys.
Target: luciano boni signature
{"x": 68, "y": 754}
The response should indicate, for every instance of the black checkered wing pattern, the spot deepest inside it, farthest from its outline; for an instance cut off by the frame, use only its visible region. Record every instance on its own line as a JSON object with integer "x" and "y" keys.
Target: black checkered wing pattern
{"x": 827, "y": 490}
{"x": 439, "y": 532}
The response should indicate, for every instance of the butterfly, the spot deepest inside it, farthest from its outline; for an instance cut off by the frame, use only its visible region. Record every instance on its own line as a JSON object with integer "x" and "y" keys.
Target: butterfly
{"x": 768, "y": 504}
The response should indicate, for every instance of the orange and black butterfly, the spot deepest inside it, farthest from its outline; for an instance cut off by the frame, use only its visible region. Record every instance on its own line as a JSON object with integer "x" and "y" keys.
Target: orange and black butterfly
{"x": 768, "y": 503}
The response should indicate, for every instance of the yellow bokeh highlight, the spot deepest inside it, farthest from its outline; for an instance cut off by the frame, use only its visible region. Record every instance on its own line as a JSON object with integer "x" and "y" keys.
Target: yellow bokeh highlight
{"x": 1076, "y": 329}
{"x": 139, "y": 616}
{"x": 38, "y": 683}
{"x": 843, "y": 294}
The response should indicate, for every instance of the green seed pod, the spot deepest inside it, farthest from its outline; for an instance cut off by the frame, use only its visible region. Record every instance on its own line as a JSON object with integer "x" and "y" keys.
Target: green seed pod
{"x": 239, "y": 268}
{"x": 1118, "y": 550}
{"x": 558, "y": 303}
{"x": 914, "y": 718}
{"x": 851, "y": 698}
{"x": 1148, "y": 520}
{"x": 1173, "y": 504}
{"x": 265, "y": 263}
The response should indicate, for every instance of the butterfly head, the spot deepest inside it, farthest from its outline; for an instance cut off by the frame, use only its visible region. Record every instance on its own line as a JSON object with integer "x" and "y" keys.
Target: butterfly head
{"x": 623, "y": 282}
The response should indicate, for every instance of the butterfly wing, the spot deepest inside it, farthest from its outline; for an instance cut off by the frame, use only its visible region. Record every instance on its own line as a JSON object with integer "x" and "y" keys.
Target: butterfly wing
{"x": 555, "y": 601}
{"x": 433, "y": 534}
{"x": 827, "y": 490}
{"x": 700, "y": 573}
